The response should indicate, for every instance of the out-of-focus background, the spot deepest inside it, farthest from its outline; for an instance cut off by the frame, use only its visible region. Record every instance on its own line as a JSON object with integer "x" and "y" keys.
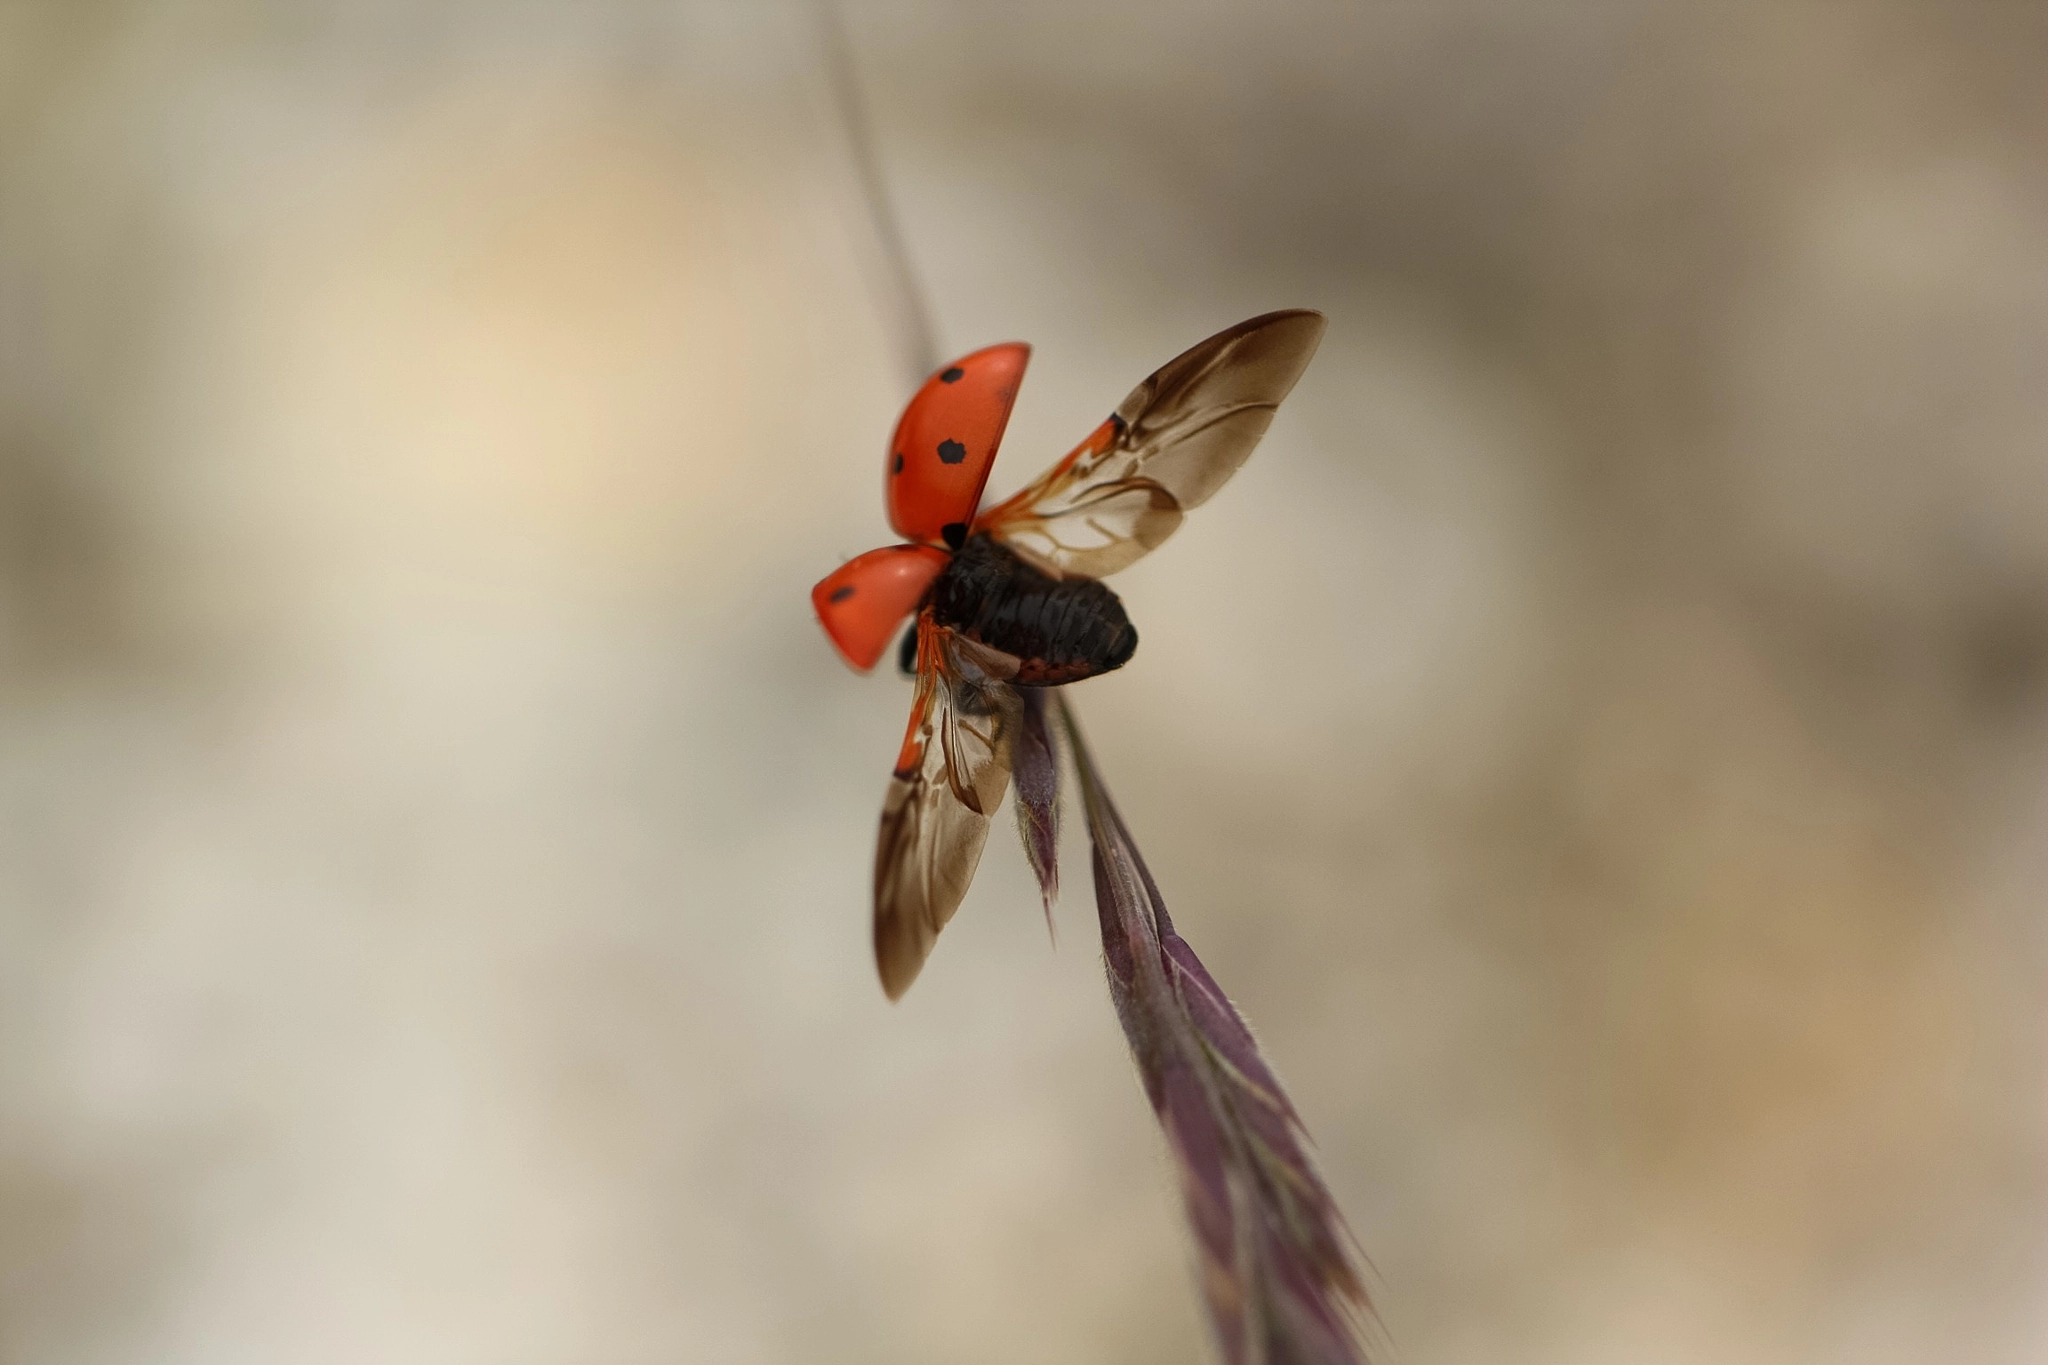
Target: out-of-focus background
{"x": 1601, "y": 739}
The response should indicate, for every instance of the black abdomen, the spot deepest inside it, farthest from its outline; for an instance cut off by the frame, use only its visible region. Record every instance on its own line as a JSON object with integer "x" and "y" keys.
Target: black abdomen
{"x": 1064, "y": 629}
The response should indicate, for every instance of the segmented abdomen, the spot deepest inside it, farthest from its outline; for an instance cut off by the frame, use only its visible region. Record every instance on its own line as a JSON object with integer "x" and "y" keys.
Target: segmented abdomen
{"x": 1063, "y": 629}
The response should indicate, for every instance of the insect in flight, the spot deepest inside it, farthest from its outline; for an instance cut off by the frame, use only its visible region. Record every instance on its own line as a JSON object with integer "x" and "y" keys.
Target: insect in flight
{"x": 1011, "y": 597}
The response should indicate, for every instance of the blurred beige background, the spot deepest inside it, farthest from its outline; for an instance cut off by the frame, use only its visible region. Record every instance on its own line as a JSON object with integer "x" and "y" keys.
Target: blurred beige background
{"x": 1601, "y": 740}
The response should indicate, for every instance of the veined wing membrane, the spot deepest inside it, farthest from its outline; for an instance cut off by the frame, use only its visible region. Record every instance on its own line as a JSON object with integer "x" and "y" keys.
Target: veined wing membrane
{"x": 949, "y": 780}
{"x": 1168, "y": 447}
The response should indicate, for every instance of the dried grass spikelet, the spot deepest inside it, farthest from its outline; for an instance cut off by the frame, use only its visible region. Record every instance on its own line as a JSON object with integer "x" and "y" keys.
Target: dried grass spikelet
{"x": 1279, "y": 1270}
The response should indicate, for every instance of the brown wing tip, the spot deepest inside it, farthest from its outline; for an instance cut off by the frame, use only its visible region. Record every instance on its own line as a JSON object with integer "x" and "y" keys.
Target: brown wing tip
{"x": 896, "y": 967}
{"x": 1273, "y": 347}
{"x": 1278, "y": 315}
{"x": 1279, "y": 345}
{"x": 1302, "y": 327}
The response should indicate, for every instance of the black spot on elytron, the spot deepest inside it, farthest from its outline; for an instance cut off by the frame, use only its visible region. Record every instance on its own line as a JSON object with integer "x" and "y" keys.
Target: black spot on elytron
{"x": 897, "y": 468}
{"x": 841, "y": 594}
{"x": 1119, "y": 423}
{"x": 952, "y": 375}
{"x": 951, "y": 452}
{"x": 954, "y": 533}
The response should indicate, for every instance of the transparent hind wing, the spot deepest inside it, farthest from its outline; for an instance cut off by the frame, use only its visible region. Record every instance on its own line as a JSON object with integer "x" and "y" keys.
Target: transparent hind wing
{"x": 1168, "y": 447}
{"x": 949, "y": 779}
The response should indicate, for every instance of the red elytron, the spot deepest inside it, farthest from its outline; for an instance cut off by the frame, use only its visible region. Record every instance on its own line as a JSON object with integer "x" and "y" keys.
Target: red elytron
{"x": 1009, "y": 598}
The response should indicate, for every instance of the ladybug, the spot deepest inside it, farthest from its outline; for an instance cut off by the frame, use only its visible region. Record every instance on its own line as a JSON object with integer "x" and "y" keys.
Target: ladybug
{"x": 1012, "y": 596}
